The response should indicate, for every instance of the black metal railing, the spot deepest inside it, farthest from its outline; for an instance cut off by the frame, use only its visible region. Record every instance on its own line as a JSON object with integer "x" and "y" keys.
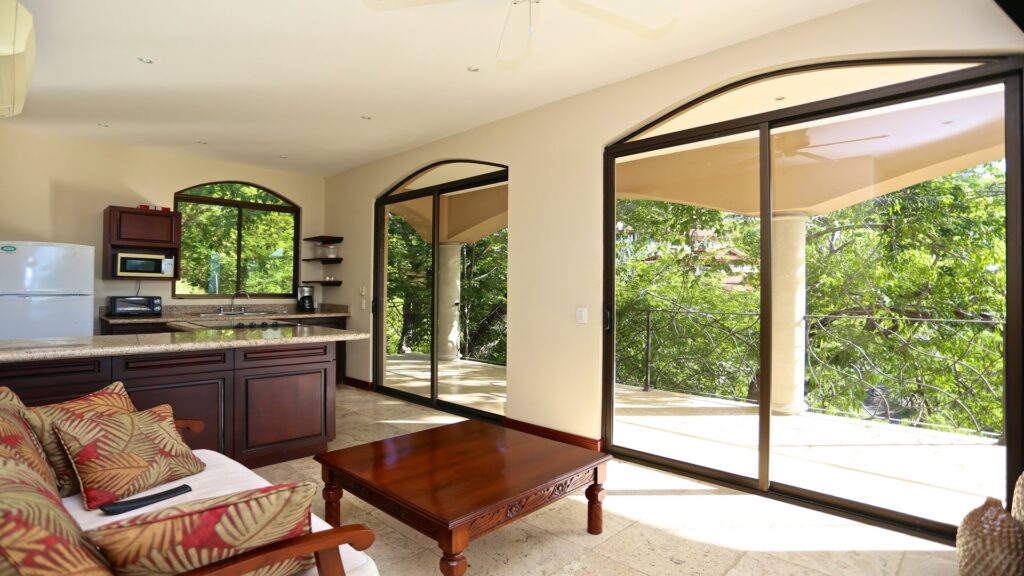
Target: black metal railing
{"x": 936, "y": 373}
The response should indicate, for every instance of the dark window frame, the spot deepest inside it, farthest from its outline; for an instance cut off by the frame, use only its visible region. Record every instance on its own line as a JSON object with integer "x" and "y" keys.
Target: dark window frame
{"x": 1008, "y": 70}
{"x": 289, "y": 207}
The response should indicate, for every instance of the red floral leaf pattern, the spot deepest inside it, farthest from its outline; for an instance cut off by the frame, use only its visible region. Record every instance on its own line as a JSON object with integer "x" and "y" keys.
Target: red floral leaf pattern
{"x": 192, "y": 535}
{"x": 37, "y": 535}
{"x": 18, "y": 441}
{"x": 111, "y": 400}
{"x": 121, "y": 455}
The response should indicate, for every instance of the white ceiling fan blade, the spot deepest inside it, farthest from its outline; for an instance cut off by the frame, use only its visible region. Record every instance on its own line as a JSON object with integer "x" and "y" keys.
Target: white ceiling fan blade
{"x": 646, "y": 14}
{"x": 851, "y": 140}
{"x": 815, "y": 157}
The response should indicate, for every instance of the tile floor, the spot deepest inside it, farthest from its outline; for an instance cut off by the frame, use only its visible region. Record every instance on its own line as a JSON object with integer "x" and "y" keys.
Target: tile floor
{"x": 655, "y": 524}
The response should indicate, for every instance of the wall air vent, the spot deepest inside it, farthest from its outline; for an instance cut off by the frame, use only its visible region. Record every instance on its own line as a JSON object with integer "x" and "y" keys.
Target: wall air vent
{"x": 17, "y": 56}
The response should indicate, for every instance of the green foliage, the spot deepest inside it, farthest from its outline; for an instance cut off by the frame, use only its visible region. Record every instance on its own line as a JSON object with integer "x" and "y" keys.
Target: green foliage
{"x": 209, "y": 245}
{"x": 905, "y": 302}
{"x": 483, "y": 299}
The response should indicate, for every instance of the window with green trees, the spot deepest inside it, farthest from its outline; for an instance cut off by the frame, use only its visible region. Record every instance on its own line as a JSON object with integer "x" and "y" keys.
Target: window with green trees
{"x": 236, "y": 238}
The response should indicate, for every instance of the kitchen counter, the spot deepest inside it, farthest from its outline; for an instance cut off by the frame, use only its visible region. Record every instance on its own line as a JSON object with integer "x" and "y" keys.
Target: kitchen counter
{"x": 265, "y": 312}
{"x": 196, "y": 338}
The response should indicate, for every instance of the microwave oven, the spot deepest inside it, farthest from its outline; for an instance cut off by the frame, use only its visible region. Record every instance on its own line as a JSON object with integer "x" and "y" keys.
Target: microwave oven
{"x": 130, "y": 265}
{"x": 135, "y": 306}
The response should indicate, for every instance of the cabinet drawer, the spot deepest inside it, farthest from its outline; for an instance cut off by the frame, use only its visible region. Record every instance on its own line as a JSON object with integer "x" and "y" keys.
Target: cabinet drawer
{"x": 50, "y": 381}
{"x": 139, "y": 328}
{"x": 284, "y": 355}
{"x": 146, "y": 365}
{"x": 339, "y": 322}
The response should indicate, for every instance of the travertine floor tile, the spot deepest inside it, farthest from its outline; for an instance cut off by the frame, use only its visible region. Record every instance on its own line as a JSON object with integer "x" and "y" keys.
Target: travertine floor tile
{"x": 655, "y": 523}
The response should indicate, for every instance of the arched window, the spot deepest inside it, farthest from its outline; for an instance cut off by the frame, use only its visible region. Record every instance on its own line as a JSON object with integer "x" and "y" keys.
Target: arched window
{"x": 236, "y": 238}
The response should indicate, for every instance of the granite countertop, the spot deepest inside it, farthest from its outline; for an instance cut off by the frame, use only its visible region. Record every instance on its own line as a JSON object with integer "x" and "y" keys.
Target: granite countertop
{"x": 265, "y": 311}
{"x": 27, "y": 350}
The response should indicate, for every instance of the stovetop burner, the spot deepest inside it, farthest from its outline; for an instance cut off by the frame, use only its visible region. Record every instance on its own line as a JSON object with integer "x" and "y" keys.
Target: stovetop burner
{"x": 250, "y": 324}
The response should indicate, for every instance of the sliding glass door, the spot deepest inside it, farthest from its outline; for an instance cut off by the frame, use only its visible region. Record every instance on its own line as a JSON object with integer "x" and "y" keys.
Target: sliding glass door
{"x": 442, "y": 261}
{"x": 818, "y": 301}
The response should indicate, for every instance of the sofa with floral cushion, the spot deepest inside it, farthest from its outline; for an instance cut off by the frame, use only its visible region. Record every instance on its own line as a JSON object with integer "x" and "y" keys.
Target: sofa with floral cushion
{"x": 59, "y": 464}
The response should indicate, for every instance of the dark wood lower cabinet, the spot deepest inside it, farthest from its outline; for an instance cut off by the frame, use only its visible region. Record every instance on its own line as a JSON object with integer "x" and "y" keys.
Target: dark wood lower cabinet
{"x": 203, "y": 397}
{"x": 281, "y": 411}
{"x": 258, "y": 405}
{"x": 339, "y": 322}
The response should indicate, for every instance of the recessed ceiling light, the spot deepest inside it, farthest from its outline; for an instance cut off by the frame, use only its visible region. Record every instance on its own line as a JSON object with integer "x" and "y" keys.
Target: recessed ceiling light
{"x": 102, "y": 125}
{"x": 947, "y": 122}
{"x": 282, "y": 157}
{"x": 203, "y": 142}
{"x": 473, "y": 68}
{"x": 365, "y": 117}
{"x": 145, "y": 60}
{"x": 780, "y": 98}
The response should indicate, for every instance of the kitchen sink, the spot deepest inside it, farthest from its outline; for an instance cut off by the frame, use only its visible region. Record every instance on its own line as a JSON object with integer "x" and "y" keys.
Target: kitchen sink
{"x": 233, "y": 314}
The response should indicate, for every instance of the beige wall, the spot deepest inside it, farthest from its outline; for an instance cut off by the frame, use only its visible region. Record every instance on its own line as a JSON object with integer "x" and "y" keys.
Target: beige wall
{"x": 54, "y": 189}
{"x": 554, "y": 154}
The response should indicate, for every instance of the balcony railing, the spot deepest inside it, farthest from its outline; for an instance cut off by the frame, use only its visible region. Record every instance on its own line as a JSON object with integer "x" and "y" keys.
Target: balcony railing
{"x": 942, "y": 374}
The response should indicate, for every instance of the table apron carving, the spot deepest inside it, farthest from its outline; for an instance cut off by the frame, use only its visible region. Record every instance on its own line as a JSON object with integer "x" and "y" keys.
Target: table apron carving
{"x": 539, "y": 498}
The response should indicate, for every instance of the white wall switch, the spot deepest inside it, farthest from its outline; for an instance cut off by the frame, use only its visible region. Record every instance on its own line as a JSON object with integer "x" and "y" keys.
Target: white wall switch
{"x": 362, "y": 291}
{"x": 581, "y": 315}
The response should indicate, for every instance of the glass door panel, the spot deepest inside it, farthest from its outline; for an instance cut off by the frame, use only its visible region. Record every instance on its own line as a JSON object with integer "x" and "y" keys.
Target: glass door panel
{"x": 472, "y": 298}
{"x": 889, "y": 305}
{"x": 687, "y": 349}
{"x": 409, "y": 294}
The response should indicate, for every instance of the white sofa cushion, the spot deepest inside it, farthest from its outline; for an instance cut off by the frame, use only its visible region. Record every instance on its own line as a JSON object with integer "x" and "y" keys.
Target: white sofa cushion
{"x": 222, "y": 476}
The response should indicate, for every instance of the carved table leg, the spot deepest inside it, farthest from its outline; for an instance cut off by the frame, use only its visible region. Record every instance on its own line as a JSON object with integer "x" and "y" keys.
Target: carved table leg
{"x": 453, "y": 543}
{"x": 332, "y": 499}
{"x": 595, "y": 495}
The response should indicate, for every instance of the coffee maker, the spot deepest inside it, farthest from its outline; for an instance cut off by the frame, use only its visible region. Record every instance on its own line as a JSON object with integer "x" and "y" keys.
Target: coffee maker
{"x": 305, "y": 303}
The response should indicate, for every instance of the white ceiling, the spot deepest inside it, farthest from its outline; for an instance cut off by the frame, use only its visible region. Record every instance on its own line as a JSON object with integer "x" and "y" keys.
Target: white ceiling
{"x": 261, "y": 79}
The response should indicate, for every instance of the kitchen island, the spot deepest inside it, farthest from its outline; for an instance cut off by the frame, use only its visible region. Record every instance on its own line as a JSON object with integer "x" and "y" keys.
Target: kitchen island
{"x": 259, "y": 395}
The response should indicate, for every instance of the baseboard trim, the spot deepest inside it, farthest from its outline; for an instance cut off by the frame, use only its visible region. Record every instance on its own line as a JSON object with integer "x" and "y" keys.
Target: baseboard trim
{"x": 357, "y": 383}
{"x": 581, "y": 441}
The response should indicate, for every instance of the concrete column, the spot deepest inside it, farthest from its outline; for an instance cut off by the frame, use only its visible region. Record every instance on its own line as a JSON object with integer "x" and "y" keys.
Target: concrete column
{"x": 449, "y": 288}
{"x": 789, "y": 304}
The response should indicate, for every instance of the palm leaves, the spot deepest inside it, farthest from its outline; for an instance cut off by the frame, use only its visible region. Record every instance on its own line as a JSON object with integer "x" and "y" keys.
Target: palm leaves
{"x": 191, "y": 535}
{"x": 121, "y": 455}
{"x": 111, "y": 400}
{"x": 37, "y": 535}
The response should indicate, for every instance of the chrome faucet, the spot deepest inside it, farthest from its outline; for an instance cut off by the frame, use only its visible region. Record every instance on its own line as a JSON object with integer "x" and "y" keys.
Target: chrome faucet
{"x": 236, "y": 294}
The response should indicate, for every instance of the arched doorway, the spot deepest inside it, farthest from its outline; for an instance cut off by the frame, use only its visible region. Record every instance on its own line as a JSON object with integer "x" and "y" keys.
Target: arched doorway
{"x": 441, "y": 263}
{"x": 814, "y": 277}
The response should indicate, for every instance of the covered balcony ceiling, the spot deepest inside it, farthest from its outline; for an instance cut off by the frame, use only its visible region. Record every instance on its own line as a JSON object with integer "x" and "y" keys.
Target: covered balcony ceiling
{"x": 826, "y": 165}
{"x": 464, "y": 217}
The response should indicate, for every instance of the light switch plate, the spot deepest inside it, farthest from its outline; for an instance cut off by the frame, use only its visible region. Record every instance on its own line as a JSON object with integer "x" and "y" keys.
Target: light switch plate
{"x": 581, "y": 315}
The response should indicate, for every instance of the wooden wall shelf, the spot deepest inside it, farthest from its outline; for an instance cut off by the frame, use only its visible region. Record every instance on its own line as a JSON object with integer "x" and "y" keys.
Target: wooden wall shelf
{"x": 325, "y": 240}
{"x": 323, "y": 282}
{"x": 324, "y": 260}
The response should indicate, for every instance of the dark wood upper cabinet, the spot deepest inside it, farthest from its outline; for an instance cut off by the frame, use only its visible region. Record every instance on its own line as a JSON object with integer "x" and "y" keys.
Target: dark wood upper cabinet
{"x": 140, "y": 231}
{"x": 137, "y": 227}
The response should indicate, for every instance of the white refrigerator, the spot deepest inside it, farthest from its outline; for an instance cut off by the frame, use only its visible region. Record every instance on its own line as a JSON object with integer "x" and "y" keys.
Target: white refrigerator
{"x": 46, "y": 290}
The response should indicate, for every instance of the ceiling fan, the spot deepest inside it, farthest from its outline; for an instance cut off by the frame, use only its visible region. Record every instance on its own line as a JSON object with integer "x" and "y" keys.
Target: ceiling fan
{"x": 644, "y": 17}
{"x": 797, "y": 142}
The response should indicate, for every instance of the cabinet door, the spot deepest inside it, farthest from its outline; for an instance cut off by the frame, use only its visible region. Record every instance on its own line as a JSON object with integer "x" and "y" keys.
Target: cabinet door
{"x": 204, "y": 397}
{"x": 136, "y": 227}
{"x": 283, "y": 412}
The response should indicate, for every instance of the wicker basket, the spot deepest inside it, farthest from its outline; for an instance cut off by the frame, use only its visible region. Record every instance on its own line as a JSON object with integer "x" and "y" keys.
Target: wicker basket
{"x": 990, "y": 542}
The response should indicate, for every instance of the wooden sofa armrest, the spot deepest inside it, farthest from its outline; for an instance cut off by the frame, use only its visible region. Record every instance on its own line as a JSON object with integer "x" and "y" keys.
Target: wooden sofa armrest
{"x": 323, "y": 544}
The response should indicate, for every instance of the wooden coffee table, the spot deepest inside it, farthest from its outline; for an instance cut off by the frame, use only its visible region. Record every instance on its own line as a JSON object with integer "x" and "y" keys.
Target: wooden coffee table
{"x": 458, "y": 482}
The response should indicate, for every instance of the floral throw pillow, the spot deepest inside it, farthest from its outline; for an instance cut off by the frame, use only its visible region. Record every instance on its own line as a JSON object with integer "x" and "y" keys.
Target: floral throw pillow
{"x": 111, "y": 400}
{"x": 123, "y": 454}
{"x": 37, "y": 535}
{"x": 17, "y": 440}
{"x": 196, "y": 534}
